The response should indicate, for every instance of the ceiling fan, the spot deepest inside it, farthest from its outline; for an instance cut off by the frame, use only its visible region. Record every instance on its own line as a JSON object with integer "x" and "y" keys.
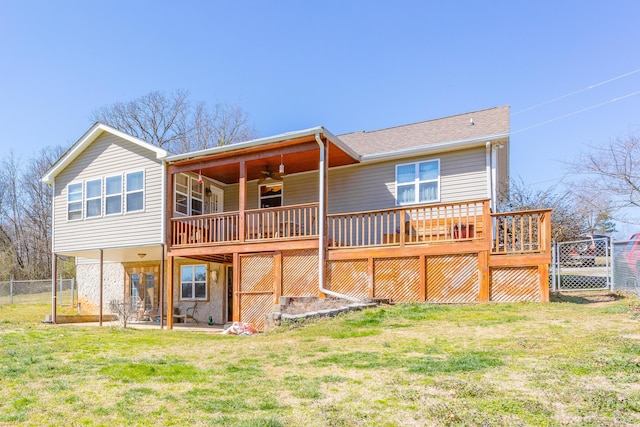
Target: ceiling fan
{"x": 267, "y": 173}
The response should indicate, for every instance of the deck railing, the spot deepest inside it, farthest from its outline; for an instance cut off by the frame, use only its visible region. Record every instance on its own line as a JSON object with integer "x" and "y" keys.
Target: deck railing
{"x": 205, "y": 229}
{"x": 286, "y": 222}
{"x": 521, "y": 232}
{"x": 407, "y": 225}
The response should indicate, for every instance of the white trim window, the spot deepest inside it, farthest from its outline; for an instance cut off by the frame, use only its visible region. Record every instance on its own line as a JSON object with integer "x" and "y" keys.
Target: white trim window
{"x": 74, "y": 201}
{"x": 93, "y": 200}
{"x": 197, "y": 200}
{"x": 193, "y": 282}
{"x": 418, "y": 182}
{"x": 270, "y": 195}
{"x": 134, "y": 191}
{"x": 181, "y": 194}
{"x": 113, "y": 195}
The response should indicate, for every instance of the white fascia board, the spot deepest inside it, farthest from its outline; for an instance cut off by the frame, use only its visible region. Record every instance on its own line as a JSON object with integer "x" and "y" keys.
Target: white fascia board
{"x": 90, "y": 136}
{"x": 432, "y": 149}
{"x": 266, "y": 141}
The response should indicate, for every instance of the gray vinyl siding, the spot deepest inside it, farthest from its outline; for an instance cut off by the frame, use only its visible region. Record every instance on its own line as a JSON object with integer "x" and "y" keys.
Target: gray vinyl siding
{"x": 371, "y": 186}
{"x": 109, "y": 155}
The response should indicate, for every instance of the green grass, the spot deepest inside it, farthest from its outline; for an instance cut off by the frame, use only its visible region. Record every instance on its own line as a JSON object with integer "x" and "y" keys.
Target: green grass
{"x": 570, "y": 362}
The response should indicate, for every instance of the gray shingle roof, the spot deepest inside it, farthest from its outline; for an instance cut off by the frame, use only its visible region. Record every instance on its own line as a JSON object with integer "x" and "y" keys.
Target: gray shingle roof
{"x": 489, "y": 122}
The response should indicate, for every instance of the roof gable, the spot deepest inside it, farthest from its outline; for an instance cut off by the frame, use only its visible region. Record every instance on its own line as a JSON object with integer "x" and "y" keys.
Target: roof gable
{"x": 87, "y": 139}
{"x": 477, "y": 125}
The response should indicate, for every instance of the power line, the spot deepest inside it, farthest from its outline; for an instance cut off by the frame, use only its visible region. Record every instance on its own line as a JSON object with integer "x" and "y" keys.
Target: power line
{"x": 577, "y": 91}
{"x": 578, "y": 112}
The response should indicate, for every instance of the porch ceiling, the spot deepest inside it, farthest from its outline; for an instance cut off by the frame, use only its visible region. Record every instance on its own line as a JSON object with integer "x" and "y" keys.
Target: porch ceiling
{"x": 300, "y": 155}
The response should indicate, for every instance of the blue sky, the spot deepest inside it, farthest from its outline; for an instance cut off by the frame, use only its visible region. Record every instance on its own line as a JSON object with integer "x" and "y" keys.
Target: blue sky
{"x": 346, "y": 65}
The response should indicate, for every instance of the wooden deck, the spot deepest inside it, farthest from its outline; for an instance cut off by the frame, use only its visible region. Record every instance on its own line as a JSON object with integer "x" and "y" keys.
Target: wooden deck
{"x": 445, "y": 253}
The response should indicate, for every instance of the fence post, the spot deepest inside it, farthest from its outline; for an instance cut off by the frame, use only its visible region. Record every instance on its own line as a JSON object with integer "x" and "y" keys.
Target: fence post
{"x": 73, "y": 291}
{"x": 553, "y": 266}
{"x": 11, "y": 290}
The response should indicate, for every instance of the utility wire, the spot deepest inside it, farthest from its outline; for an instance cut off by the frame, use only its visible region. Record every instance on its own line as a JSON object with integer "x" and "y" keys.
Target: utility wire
{"x": 578, "y": 112}
{"x": 577, "y": 91}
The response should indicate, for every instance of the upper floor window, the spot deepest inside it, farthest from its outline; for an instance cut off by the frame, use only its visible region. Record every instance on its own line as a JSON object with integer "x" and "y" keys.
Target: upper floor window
{"x": 270, "y": 195}
{"x": 113, "y": 195}
{"x": 94, "y": 198}
{"x": 181, "y": 194}
{"x": 196, "y": 197}
{"x": 135, "y": 191}
{"x": 418, "y": 182}
{"x": 74, "y": 201}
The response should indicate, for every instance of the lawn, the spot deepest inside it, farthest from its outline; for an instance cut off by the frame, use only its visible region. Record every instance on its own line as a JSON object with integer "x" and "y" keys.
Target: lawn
{"x": 574, "y": 361}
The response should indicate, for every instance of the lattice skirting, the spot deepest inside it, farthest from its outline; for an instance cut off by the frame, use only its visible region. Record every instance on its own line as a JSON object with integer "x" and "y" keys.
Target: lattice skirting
{"x": 349, "y": 277}
{"x": 453, "y": 278}
{"x": 397, "y": 278}
{"x": 514, "y": 284}
{"x": 300, "y": 273}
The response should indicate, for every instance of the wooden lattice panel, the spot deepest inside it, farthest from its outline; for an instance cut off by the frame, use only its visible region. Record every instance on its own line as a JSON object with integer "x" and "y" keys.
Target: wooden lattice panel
{"x": 256, "y": 273}
{"x": 254, "y": 307}
{"x": 349, "y": 277}
{"x": 511, "y": 284}
{"x": 300, "y": 273}
{"x": 397, "y": 278}
{"x": 453, "y": 278}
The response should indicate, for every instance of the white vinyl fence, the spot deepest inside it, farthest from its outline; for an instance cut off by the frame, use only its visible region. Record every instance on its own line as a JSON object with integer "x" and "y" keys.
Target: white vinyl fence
{"x": 37, "y": 292}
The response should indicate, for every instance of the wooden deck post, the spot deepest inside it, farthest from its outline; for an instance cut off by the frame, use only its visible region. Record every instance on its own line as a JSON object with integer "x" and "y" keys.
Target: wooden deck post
{"x": 543, "y": 280}
{"x": 170, "y": 292}
{"x": 161, "y": 286}
{"x": 423, "y": 278}
{"x": 242, "y": 201}
{"x": 236, "y": 287}
{"x": 370, "y": 277}
{"x": 101, "y": 285}
{"x": 54, "y": 290}
{"x": 277, "y": 277}
{"x": 484, "y": 274}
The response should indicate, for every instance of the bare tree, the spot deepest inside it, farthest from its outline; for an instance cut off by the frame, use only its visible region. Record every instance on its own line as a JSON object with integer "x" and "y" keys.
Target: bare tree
{"x": 174, "y": 123}
{"x": 567, "y": 222}
{"x": 614, "y": 169}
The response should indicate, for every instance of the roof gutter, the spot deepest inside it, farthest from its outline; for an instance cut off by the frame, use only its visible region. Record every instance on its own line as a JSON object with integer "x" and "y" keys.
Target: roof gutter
{"x": 322, "y": 206}
{"x": 311, "y": 132}
{"x": 430, "y": 149}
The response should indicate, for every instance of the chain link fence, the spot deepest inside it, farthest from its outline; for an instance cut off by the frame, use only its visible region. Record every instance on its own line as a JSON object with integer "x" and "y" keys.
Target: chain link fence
{"x": 582, "y": 265}
{"x": 626, "y": 266}
{"x": 37, "y": 292}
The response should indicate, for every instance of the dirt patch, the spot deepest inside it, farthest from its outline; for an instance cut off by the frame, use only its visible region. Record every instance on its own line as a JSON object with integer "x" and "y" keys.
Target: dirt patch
{"x": 599, "y": 298}
{"x": 299, "y": 305}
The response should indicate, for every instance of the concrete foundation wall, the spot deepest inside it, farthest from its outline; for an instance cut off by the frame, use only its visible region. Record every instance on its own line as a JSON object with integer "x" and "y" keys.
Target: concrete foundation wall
{"x": 88, "y": 280}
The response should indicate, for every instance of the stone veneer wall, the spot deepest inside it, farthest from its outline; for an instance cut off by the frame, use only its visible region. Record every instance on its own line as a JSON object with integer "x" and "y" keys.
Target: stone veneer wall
{"x": 88, "y": 280}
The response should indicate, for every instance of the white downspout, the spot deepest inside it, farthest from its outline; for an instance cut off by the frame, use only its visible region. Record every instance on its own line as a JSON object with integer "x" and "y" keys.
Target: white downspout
{"x": 494, "y": 177}
{"x": 488, "y": 173}
{"x": 321, "y": 231}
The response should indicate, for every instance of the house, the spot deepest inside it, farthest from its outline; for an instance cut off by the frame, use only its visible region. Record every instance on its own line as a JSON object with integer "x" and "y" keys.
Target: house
{"x": 108, "y": 211}
{"x": 405, "y": 213}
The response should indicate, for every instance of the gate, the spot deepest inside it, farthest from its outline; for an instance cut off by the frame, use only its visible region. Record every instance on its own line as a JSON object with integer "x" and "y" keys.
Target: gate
{"x": 255, "y": 296}
{"x": 582, "y": 265}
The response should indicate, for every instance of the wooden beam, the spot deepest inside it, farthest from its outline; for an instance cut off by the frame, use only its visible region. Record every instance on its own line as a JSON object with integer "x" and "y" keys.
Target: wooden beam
{"x": 262, "y": 246}
{"x": 236, "y": 287}
{"x": 277, "y": 277}
{"x": 170, "y": 292}
{"x": 423, "y": 278}
{"x": 521, "y": 260}
{"x": 248, "y": 156}
{"x": 409, "y": 250}
{"x": 242, "y": 201}
{"x": 543, "y": 279}
{"x": 484, "y": 276}
{"x": 371, "y": 277}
